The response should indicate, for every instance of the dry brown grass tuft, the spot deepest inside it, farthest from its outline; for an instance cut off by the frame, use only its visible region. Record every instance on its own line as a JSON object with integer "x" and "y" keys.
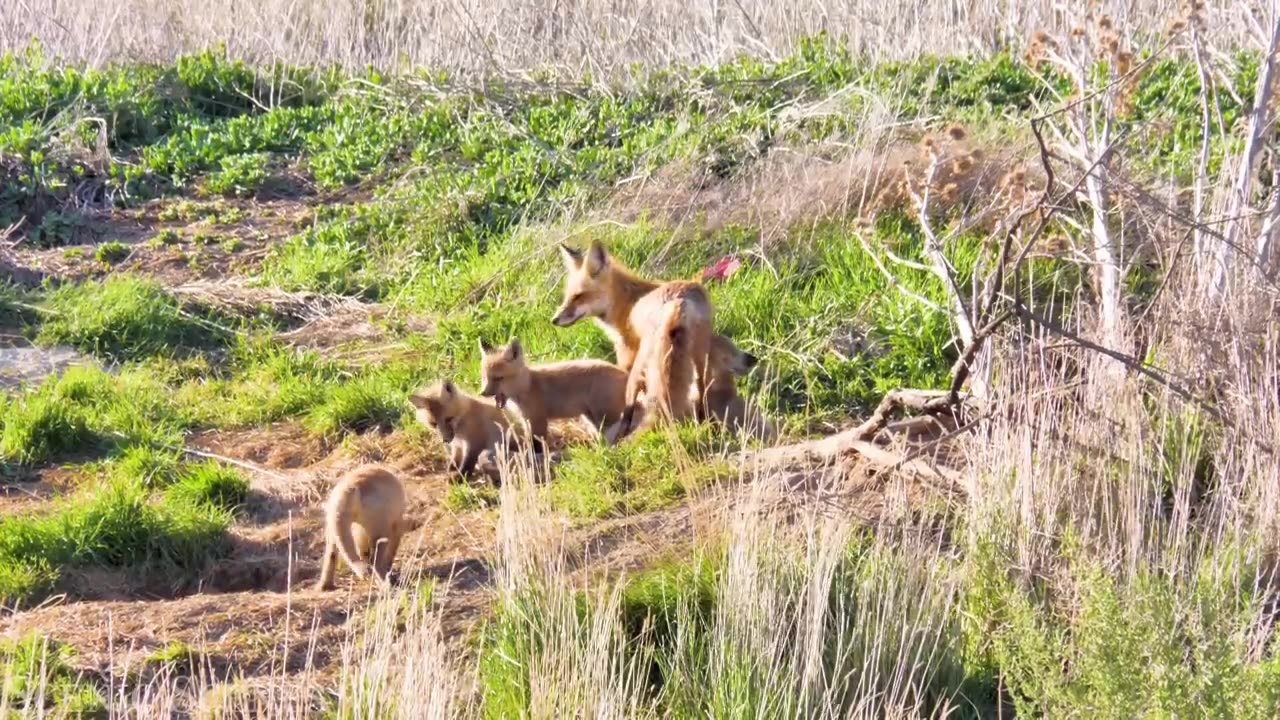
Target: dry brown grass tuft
{"x": 793, "y": 189}
{"x": 475, "y": 36}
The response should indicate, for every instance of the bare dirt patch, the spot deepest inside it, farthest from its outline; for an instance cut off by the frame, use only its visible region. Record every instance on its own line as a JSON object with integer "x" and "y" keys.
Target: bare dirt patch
{"x": 174, "y": 240}
{"x": 238, "y": 610}
{"x": 26, "y": 491}
{"x": 24, "y": 364}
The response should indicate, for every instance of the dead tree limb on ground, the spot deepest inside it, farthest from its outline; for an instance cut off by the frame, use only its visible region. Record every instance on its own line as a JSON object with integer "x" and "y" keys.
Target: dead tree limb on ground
{"x": 982, "y": 315}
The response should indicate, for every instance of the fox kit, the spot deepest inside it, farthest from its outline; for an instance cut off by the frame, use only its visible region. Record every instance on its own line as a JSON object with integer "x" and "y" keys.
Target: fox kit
{"x": 363, "y": 521}
{"x": 469, "y": 426}
{"x": 591, "y": 389}
{"x": 661, "y": 331}
{"x": 723, "y": 401}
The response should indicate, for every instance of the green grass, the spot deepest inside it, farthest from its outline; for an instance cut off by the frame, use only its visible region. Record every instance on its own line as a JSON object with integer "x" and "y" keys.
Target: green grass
{"x": 209, "y": 484}
{"x": 36, "y": 676}
{"x": 1149, "y": 645}
{"x": 732, "y": 635}
{"x": 647, "y": 472}
{"x": 111, "y": 252}
{"x": 462, "y": 498}
{"x": 166, "y": 238}
{"x": 42, "y": 425}
{"x": 373, "y": 400}
{"x": 120, "y": 523}
{"x": 126, "y": 318}
{"x": 174, "y": 657}
{"x": 87, "y": 409}
{"x": 657, "y": 600}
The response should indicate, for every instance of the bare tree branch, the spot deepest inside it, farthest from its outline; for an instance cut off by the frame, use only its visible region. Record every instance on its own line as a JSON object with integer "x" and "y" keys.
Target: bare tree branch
{"x": 1249, "y": 157}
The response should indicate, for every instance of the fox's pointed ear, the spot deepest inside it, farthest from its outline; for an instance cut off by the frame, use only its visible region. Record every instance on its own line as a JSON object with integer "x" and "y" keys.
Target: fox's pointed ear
{"x": 597, "y": 258}
{"x": 572, "y": 256}
{"x": 448, "y": 388}
{"x": 513, "y": 349}
{"x": 485, "y": 347}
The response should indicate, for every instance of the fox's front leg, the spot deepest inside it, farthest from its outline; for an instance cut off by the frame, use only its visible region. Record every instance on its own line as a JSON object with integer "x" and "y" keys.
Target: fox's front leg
{"x": 457, "y": 452}
{"x": 469, "y": 460}
{"x": 636, "y": 374}
{"x": 626, "y": 357}
{"x": 635, "y": 385}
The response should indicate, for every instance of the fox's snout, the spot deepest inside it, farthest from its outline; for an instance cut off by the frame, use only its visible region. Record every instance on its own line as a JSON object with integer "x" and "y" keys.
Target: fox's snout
{"x": 566, "y": 317}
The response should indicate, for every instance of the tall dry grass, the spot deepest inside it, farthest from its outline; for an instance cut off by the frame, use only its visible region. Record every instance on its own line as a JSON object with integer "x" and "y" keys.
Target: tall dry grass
{"x": 479, "y": 36}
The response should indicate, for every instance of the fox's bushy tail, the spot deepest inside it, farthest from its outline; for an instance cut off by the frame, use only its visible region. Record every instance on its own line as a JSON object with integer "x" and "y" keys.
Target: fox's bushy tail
{"x": 675, "y": 363}
{"x": 340, "y": 521}
{"x": 338, "y": 535}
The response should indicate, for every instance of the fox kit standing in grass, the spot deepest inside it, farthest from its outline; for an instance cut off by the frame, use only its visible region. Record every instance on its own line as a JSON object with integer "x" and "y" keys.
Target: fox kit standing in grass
{"x": 363, "y": 522}
{"x": 661, "y": 331}
{"x": 591, "y": 389}
{"x": 467, "y": 425}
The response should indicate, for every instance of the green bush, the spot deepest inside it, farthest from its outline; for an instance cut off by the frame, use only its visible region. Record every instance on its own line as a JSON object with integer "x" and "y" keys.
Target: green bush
{"x": 111, "y": 252}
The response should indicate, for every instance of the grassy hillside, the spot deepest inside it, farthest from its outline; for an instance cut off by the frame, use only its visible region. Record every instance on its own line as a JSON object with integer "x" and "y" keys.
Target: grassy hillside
{"x": 256, "y": 264}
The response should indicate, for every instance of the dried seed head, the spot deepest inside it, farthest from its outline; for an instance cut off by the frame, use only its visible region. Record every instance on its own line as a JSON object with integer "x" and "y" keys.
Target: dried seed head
{"x": 1124, "y": 62}
{"x": 927, "y": 142}
{"x": 1015, "y": 178}
{"x": 1104, "y": 23}
{"x": 1041, "y": 37}
{"x": 1177, "y": 26}
{"x": 949, "y": 192}
{"x": 1111, "y": 43}
{"x": 1077, "y": 33}
{"x": 956, "y": 133}
{"x": 962, "y": 165}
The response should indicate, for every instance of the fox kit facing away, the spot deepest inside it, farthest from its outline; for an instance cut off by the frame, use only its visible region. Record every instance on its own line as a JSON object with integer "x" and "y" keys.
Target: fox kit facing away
{"x": 590, "y": 389}
{"x": 469, "y": 426}
{"x": 661, "y": 331}
{"x": 363, "y": 522}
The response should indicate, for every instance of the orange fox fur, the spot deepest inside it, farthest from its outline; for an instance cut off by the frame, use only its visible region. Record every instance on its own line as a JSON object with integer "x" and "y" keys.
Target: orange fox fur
{"x": 669, "y": 324}
{"x": 469, "y": 426}
{"x": 590, "y": 389}
{"x": 600, "y": 287}
{"x": 364, "y": 521}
